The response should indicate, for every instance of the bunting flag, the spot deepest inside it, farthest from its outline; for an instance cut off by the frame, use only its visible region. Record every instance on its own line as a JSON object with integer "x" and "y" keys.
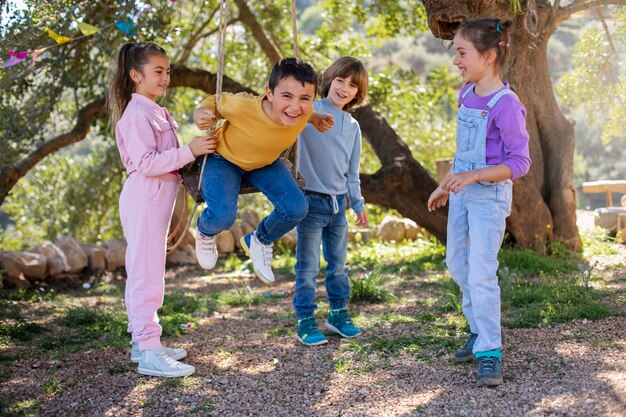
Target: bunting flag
{"x": 14, "y": 58}
{"x": 60, "y": 39}
{"x": 87, "y": 29}
{"x": 127, "y": 27}
{"x": 36, "y": 53}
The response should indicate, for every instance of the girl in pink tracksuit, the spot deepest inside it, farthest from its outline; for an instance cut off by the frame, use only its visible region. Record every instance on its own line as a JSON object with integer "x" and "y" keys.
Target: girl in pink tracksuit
{"x": 149, "y": 148}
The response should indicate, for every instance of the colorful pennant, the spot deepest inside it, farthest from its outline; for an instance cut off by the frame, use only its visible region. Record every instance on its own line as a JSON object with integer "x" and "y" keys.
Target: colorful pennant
{"x": 87, "y": 29}
{"x": 14, "y": 58}
{"x": 127, "y": 27}
{"x": 60, "y": 39}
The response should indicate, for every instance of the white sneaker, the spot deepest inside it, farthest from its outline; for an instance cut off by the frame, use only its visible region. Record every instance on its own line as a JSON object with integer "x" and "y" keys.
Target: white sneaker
{"x": 261, "y": 256}
{"x": 156, "y": 362}
{"x": 174, "y": 353}
{"x": 206, "y": 251}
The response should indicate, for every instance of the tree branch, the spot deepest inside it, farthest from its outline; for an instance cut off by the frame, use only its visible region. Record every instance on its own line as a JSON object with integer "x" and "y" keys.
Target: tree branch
{"x": 11, "y": 174}
{"x": 576, "y": 6}
{"x": 195, "y": 37}
{"x": 267, "y": 45}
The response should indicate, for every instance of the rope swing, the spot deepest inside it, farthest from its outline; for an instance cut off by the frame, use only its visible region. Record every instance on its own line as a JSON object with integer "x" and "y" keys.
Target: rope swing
{"x": 192, "y": 177}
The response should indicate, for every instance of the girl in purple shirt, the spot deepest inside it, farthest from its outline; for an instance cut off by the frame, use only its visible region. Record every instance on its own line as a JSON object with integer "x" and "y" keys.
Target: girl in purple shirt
{"x": 146, "y": 138}
{"x": 491, "y": 150}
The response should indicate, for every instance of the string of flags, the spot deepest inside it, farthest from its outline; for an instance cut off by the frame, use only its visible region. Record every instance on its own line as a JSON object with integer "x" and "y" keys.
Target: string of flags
{"x": 126, "y": 26}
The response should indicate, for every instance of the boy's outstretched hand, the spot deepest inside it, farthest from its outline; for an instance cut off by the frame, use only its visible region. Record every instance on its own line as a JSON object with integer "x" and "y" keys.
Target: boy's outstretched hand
{"x": 203, "y": 118}
{"x": 201, "y": 145}
{"x": 322, "y": 122}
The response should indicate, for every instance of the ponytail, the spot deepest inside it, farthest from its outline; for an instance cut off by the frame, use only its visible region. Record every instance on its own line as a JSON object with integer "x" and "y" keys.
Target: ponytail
{"x": 130, "y": 56}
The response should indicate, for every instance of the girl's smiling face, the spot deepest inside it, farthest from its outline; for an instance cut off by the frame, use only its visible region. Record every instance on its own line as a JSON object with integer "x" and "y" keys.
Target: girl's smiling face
{"x": 472, "y": 65}
{"x": 154, "y": 78}
{"x": 342, "y": 91}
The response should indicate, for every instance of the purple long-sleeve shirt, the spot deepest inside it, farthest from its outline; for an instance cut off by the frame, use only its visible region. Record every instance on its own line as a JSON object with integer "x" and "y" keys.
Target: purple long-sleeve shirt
{"x": 507, "y": 137}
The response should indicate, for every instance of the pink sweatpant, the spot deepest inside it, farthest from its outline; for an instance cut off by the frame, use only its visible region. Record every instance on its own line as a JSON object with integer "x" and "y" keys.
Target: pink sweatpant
{"x": 146, "y": 205}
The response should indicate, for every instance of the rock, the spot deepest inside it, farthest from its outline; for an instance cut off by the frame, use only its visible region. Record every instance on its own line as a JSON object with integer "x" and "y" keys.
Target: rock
{"x": 96, "y": 256}
{"x": 411, "y": 229}
{"x": 116, "y": 253}
{"x": 606, "y": 217}
{"x": 361, "y": 235}
{"x": 76, "y": 256}
{"x": 289, "y": 240}
{"x": 56, "y": 260}
{"x": 391, "y": 228}
{"x": 23, "y": 264}
{"x": 18, "y": 281}
{"x": 183, "y": 255}
{"x": 250, "y": 218}
{"x": 225, "y": 242}
{"x": 237, "y": 232}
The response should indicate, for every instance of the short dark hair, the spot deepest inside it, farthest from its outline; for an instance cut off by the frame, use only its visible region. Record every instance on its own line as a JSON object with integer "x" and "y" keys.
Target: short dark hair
{"x": 292, "y": 67}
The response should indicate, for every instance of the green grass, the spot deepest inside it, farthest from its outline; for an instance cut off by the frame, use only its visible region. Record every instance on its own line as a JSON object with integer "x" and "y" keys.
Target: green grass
{"x": 408, "y": 257}
{"x": 20, "y": 331}
{"x": 369, "y": 287}
{"x": 550, "y": 301}
{"x": 529, "y": 263}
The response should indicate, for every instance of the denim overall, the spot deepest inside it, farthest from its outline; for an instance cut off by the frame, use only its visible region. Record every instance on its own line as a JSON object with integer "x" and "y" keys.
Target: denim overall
{"x": 476, "y": 225}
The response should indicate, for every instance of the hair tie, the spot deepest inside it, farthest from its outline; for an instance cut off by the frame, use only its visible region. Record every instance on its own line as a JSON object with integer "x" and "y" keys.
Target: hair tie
{"x": 498, "y": 28}
{"x": 503, "y": 44}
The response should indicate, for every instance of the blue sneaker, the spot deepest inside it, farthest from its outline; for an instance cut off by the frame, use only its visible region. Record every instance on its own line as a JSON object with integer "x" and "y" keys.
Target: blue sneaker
{"x": 308, "y": 333}
{"x": 339, "y": 321}
{"x": 489, "y": 371}
{"x": 466, "y": 352}
{"x": 261, "y": 256}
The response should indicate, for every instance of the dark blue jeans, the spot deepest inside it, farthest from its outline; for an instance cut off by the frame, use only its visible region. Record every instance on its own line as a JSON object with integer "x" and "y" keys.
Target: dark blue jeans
{"x": 220, "y": 189}
{"x": 322, "y": 226}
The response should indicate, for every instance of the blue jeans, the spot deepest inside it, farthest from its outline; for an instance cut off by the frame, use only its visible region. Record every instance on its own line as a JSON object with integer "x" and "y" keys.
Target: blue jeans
{"x": 326, "y": 225}
{"x": 220, "y": 189}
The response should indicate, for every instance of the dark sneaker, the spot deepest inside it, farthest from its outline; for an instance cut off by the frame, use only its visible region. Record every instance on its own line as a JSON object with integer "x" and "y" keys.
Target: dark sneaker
{"x": 339, "y": 321}
{"x": 308, "y": 333}
{"x": 465, "y": 353}
{"x": 489, "y": 371}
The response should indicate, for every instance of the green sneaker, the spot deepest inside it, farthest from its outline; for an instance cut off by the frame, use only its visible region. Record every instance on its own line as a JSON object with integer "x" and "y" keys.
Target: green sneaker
{"x": 339, "y": 321}
{"x": 309, "y": 334}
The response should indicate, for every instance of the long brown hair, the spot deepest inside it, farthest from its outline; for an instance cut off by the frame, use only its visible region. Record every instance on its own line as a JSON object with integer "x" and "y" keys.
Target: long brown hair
{"x": 345, "y": 67}
{"x": 121, "y": 87}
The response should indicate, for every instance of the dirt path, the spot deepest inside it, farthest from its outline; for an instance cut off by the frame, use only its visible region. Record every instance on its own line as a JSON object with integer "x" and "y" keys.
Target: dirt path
{"x": 249, "y": 364}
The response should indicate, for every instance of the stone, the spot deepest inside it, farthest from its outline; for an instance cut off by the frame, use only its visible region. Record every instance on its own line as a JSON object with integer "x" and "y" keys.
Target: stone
{"x": 76, "y": 256}
{"x": 56, "y": 260}
{"x": 183, "y": 255}
{"x": 96, "y": 256}
{"x": 225, "y": 242}
{"x": 391, "y": 228}
{"x": 116, "y": 253}
{"x": 27, "y": 264}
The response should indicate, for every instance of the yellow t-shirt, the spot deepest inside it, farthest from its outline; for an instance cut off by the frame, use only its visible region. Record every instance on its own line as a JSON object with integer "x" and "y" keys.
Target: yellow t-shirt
{"x": 249, "y": 138}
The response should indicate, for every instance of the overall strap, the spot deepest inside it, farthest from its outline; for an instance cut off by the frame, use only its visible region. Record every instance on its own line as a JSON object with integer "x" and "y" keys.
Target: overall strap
{"x": 499, "y": 95}
{"x": 466, "y": 92}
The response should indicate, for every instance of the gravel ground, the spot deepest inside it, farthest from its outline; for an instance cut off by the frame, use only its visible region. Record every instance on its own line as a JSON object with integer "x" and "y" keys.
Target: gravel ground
{"x": 573, "y": 369}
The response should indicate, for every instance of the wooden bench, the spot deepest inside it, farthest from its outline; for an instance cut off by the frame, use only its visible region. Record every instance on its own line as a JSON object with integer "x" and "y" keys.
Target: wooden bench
{"x": 608, "y": 187}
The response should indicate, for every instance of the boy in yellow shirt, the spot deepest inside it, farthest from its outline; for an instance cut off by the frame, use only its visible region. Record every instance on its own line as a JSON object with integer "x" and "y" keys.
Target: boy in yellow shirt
{"x": 255, "y": 132}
